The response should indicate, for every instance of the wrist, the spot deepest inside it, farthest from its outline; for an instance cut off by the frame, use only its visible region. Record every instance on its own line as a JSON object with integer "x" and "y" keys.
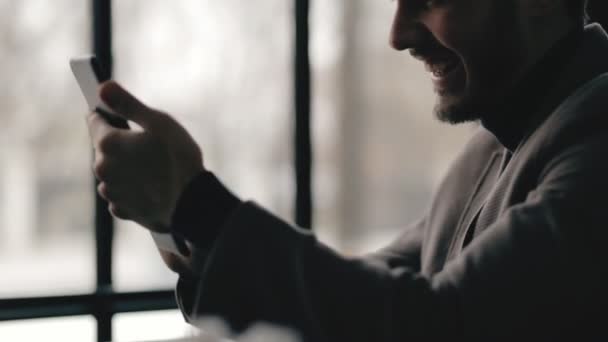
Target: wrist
{"x": 202, "y": 209}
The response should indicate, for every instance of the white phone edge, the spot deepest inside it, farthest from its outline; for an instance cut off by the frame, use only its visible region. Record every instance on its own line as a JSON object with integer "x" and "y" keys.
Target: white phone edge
{"x": 166, "y": 242}
{"x": 82, "y": 68}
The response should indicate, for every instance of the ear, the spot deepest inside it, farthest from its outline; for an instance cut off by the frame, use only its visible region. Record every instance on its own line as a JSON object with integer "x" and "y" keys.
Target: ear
{"x": 542, "y": 8}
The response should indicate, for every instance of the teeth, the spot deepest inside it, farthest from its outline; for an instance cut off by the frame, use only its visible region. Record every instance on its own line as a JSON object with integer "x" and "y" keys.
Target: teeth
{"x": 442, "y": 69}
{"x": 439, "y": 72}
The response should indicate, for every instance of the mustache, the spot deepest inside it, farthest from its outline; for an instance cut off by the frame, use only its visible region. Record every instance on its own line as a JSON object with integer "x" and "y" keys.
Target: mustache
{"x": 431, "y": 51}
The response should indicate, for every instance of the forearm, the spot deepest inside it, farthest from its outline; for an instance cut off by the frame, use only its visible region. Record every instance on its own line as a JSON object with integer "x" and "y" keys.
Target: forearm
{"x": 202, "y": 210}
{"x": 262, "y": 269}
{"x": 516, "y": 279}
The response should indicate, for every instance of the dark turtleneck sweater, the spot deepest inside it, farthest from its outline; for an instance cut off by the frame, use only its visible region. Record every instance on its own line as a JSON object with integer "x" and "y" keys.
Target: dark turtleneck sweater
{"x": 206, "y": 204}
{"x": 524, "y": 110}
{"x": 526, "y": 107}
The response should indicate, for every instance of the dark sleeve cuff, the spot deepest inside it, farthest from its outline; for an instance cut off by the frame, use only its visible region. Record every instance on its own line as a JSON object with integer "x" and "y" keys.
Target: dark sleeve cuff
{"x": 185, "y": 296}
{"x": 202, "y": 209}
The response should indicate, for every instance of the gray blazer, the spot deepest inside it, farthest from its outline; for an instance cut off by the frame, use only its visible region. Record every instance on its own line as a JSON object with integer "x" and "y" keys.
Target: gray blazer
{"x": 537, "y": 269}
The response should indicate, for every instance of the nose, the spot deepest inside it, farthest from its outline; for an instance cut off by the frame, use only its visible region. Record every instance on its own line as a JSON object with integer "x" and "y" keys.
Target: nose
{"x": 407, "y": 31}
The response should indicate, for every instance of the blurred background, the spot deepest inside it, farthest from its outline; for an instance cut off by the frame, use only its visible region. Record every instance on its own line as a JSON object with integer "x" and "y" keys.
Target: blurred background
{"x": 224, "y": 70}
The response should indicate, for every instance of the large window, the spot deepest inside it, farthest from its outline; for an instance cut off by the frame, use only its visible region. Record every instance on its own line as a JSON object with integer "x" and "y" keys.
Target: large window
{"x": 379, "y": 150}
{"x": 206, "y": 62}
{"x": 225, "y": 69}
{"x": 46, "y": 197}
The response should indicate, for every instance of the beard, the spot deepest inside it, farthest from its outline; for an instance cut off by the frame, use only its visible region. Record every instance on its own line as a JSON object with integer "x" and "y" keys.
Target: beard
{"x": 497, "y": 56}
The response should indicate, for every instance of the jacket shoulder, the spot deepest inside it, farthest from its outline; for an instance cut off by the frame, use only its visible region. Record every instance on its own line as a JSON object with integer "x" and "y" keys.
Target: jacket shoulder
{"x": 581, "y": 116}
{"x": 481, "y": 148}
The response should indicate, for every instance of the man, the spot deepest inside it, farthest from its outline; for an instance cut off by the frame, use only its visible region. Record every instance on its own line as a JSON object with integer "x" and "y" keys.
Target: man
{"x": 512, "y": 245}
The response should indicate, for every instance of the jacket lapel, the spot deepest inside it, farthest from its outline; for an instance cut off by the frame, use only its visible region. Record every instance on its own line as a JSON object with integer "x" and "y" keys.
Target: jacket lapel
{"x": 489, "y": 199}
{"x": 475, "y": 203}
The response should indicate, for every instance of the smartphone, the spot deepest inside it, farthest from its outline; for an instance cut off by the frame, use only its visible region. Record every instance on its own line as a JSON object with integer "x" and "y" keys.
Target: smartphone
{"x": 88, "y": 73}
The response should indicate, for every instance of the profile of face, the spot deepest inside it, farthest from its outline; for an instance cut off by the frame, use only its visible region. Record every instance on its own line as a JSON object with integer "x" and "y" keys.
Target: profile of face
{"x": 471, "y": 48}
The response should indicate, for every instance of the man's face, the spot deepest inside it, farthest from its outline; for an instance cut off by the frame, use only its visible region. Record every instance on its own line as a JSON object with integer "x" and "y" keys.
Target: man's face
{"x": 473, "y": 50}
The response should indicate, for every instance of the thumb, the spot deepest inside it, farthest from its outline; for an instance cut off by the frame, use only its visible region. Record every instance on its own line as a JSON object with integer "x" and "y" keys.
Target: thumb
{"x": 126, "y": 105}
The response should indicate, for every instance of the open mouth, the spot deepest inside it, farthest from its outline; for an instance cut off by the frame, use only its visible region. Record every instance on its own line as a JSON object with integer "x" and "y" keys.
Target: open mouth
{"x": 442, "y": 68}
{"x": 445, "y": 66}
{"x": 447, "y": 72}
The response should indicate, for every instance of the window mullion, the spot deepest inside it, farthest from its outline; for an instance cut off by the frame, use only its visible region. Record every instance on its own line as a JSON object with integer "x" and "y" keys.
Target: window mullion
{"x": 104, "y": 223}
{"x": 302, "y": 95}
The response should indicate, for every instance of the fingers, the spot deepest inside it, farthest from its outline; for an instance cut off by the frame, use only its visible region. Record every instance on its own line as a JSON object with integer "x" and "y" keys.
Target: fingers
{"x": 176, "y": 263}
{"x": 102, "y": 190}
{"x": 118, "y": 212}
{"x": 127, "y": 105}
{"x": 106, "y": 168}
{"x": 112, "y": 147}
{"x": 114, "y": 199}
{"x": 99, "y": 129}
{"x": 108, "y": 193}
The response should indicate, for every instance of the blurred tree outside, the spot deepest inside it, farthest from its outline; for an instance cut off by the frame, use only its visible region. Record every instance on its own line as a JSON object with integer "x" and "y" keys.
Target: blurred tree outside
{"x": 224, "y": 69}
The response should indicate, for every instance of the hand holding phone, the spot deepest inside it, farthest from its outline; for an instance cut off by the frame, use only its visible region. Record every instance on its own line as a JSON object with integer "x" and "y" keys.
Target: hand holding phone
{"x": 88, "y": 73}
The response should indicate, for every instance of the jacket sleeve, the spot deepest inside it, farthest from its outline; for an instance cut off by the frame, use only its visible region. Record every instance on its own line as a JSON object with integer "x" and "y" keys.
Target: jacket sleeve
{"x": 532, "y": 274}
{"x": 405, "y": 251}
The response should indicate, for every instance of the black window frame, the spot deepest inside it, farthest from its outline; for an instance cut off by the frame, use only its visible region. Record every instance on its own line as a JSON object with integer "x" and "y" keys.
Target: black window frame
{"x": 105, "y": 302}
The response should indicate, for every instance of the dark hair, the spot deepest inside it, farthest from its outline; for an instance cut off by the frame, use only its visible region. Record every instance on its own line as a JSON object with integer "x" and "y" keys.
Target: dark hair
{"x": 578, "y": 10}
